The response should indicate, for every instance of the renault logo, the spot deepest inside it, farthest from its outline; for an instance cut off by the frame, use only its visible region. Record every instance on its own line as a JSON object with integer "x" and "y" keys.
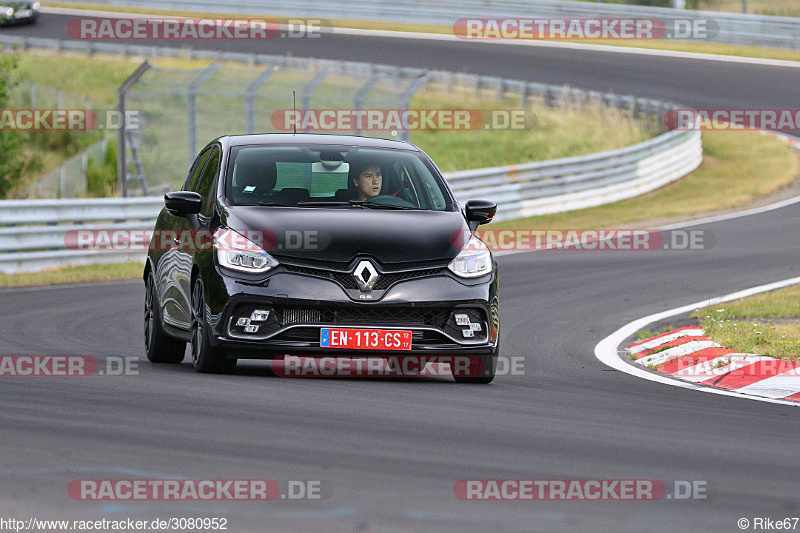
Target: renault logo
{"x": 365, "y": 275}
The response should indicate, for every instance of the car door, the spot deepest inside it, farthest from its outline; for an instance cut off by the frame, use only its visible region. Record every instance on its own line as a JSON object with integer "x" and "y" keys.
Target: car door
{"x": 171, "y": 274}
{"x": 188, "y": 227}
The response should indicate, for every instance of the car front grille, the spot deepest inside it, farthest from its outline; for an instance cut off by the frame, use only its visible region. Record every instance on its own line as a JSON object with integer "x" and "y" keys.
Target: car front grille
{"x": 347, "y": 281}
{"x": 372, "y": 316}
{"x": 390, "y": 278}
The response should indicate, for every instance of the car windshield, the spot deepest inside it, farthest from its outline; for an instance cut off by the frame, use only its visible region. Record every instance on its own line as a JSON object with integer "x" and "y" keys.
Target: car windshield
{"x": 333, "y": 177}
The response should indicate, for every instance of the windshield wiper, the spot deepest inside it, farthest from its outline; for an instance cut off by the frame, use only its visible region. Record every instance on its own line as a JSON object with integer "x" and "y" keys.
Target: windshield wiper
{"x": 375, "y": 205}
{"x": 273, "y": 204}
{"x": 350, "y": 203}
{"x": 326, "y": 204}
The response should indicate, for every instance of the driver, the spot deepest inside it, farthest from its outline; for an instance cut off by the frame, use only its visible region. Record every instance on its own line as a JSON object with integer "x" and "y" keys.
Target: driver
{"x": 369, "y": 182}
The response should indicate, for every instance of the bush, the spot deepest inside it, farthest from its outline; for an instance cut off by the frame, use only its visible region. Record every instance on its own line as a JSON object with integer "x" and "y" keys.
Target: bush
{"x": 101, "y": 176}
{"x": 19, "y": 160}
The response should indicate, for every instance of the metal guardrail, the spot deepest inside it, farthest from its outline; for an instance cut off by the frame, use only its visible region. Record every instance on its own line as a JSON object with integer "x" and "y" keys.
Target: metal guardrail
{"x": 33, "y": 232}
{"x": 734, "y": 28}
{"x": 579, "y": 182}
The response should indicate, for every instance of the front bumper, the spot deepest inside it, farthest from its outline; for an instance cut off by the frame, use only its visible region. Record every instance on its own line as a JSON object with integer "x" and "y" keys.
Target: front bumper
{"x": 299, "y": 305}
{"x": 20, "y": 16}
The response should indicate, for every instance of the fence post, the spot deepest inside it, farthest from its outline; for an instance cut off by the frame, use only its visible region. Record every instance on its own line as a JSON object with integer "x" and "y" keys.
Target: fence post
{"x": 305, "y": 96}
{"x": 358, "y": 99}
{"x": 33, "y": 95}
{"x": 122, "y": 164}
{"x": 194, "y": 87}
{"x": 405, "y": 99}
{"x": 252, "y": 89}
{"x": 62, "y": 181}
{"x": 84, "y": 169}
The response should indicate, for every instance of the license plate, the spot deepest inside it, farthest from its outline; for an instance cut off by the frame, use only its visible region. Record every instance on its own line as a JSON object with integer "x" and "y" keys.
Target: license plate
{"x": 23, "y": 14}
{"x": 365, "y": 339}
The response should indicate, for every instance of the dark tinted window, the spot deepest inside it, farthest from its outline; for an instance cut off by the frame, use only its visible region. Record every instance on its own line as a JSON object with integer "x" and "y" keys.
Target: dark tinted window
{"x": 196, "y": 170}
{"x": 292, "y": 175}
{"x": 205, "y": 186}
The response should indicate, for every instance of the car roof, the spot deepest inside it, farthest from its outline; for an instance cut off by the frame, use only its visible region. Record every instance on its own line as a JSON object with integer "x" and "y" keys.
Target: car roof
{"x": 319, "y": 139}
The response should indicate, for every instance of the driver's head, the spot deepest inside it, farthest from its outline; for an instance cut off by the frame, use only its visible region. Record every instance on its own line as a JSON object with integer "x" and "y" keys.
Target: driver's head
{"x": 368, "y": 182}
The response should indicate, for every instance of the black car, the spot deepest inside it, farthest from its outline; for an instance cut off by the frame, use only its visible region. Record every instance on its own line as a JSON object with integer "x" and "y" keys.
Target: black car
{"x": 18, "y": 11}
{"x": 320, "y": 245}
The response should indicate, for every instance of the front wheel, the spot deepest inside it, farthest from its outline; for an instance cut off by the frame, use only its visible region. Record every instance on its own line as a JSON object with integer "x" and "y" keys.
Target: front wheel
{"x": 159, "y": 347}
{"x": 205, "y": 357}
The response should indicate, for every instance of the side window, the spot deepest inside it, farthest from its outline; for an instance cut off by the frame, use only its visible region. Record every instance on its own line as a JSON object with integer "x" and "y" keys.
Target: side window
{"x": 205, "y": 186}
{"x": 196, "y": 170}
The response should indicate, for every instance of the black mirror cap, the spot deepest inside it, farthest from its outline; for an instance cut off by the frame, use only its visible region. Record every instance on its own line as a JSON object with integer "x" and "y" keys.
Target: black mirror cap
{"x": 182, "y": 203}
{"x": 480, "y": 211}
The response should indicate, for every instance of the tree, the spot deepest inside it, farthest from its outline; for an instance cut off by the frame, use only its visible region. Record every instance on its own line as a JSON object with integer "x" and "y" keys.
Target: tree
{"x": 17, "y": 161}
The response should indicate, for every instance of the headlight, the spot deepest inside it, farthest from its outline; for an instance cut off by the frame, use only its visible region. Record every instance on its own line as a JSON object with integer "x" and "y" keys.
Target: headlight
{"x": 8, "y": 12}
{"x": 241, "y": 254}
{"x": 36, "y": 6}
{"x": 473, "y": 260}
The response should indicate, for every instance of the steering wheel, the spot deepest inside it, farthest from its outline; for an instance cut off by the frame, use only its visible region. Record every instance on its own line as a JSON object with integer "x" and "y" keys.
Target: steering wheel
{"x": 388, "y": 199}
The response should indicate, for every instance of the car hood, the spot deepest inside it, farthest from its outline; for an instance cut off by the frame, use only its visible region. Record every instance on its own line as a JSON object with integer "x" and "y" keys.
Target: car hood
{"x": 341, "y": 234}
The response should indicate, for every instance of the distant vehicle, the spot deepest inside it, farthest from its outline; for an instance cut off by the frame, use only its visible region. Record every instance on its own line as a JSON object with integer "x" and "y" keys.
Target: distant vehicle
{"x": 19, "y": 12}
{"x": 324, "y": 245}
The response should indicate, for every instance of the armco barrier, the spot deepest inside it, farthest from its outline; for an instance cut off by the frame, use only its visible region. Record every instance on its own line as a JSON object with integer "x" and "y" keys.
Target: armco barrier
{"x": 734, "y": 28}
{"x": 32, "y": 231}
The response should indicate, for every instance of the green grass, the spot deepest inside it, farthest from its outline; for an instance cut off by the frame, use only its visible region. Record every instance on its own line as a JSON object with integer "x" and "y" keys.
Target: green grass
{"x": 557, "y": 133}
{"x": 778, "y": 8}
{"x": 675, "y": 46}
{"x": 96, "y": 77}
{"x": 783, "y": 303}
{"x": 648, "y": 333}
{"x": 745, "y": 325}
{"x": 75, "y": 274}
{"x": 738, "y": 168}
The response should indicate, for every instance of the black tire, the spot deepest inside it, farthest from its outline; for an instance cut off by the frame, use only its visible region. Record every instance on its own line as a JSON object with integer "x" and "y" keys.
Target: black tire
{"x": 159, "y": 347}
{"x": 487, "y": 370}
{"x": 205, "y": 357}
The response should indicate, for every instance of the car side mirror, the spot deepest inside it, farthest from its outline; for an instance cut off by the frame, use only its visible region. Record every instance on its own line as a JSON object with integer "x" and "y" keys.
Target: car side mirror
{"x": 479, "y": 212}
{"x": 182, "y": 203}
